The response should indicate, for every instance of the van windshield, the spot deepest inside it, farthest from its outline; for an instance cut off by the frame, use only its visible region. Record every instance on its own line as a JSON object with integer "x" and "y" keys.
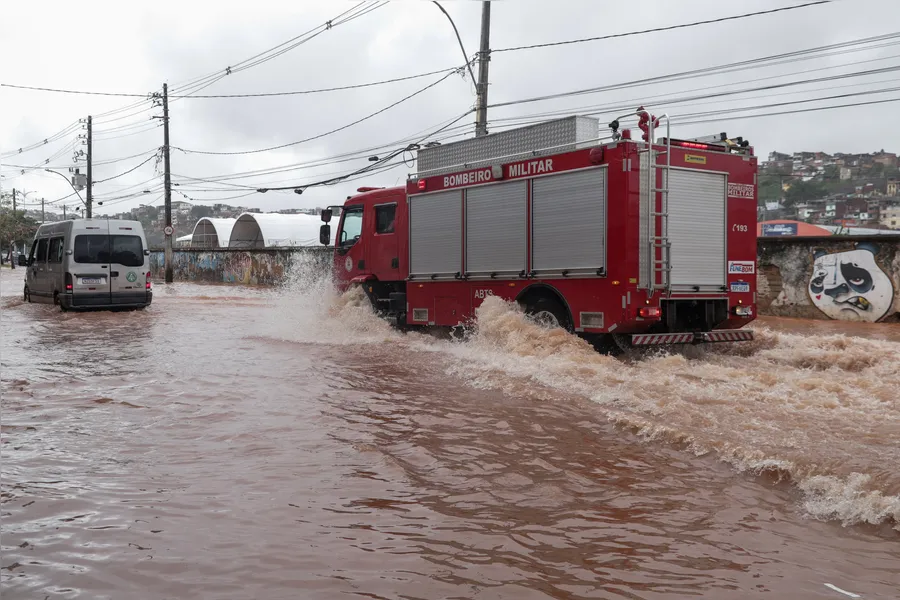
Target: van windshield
{"x": 125, "y": 250}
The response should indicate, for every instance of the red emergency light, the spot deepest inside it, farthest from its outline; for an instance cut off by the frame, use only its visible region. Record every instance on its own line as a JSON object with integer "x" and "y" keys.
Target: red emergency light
{"x": 650, "y": 312}
{"x": 694, "y": 145}
{"x": 421, "y": 185}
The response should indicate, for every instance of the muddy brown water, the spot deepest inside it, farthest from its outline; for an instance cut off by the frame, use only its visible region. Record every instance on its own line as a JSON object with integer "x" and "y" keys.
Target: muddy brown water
{"x": 234, "y": 442}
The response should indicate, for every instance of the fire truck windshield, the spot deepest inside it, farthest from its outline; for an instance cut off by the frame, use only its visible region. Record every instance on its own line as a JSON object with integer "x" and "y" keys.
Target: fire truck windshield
{"x": 351, "y": 227}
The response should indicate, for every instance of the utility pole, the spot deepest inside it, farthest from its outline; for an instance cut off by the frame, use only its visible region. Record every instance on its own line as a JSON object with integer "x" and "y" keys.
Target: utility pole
{"x": 90, "y": 179}
{"x": 64, "y": 212}
{"x": 43, "y": 218}
{"x": 484, "y": 56}
{"x": 167, "y": 182}
{"x": 12, "y": 243}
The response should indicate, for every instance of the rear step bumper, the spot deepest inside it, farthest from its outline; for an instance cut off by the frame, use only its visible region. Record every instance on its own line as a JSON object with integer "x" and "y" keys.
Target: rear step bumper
{"x": 705, "y": 337}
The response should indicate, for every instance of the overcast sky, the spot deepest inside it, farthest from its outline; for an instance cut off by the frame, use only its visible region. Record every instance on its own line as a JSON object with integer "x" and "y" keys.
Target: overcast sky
{"x": 133, "y": 48}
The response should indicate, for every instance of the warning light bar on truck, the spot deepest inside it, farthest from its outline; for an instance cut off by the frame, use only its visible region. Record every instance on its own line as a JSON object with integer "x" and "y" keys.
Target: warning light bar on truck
{"x": 737, "y": 145}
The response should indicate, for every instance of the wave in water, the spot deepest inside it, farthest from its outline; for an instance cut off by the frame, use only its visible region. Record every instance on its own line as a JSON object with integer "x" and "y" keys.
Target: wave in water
{"x": 821, "y": 410}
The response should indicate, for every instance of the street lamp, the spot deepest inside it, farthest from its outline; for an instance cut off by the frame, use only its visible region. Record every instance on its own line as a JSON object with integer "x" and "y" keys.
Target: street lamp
{"x": 69, "y": 182}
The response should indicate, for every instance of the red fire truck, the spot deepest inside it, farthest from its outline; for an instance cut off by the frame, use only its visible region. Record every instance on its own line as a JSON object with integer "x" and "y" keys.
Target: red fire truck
{"x": 613, "y": 238}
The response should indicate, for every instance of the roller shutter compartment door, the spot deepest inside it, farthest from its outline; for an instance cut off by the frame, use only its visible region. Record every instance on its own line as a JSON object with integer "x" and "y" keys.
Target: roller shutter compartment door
{"x": 435, "y": 234}
{"x": 495, "y": 228}
{"x": 697, "y": 229}
{"x": 569, "y": 221}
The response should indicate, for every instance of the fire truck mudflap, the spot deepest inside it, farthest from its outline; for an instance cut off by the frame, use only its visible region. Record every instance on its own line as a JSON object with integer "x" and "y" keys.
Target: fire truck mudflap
{"x": 701, "y": 337}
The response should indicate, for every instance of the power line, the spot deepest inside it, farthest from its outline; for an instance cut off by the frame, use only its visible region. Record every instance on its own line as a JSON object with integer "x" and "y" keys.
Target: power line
{"x": 667, "y": 97}
{"x": 792, "y": 112}
{"x": 204, "y": 81}
{"x": 327, "y": 133}
{"x": 658, "y": 29}
{"x": 444, "y": 126}
{"x": 274, "y": 52}
{"x": 56, "y": 136}
{"x": 126, "y": 172}
{"x": 374, "y": 166}
{"x": 255, "y": 95}
{"x": 703, "y": 72}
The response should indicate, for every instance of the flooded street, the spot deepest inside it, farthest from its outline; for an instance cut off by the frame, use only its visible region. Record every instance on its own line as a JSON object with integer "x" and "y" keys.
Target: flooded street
{"x": 234, "y": 442}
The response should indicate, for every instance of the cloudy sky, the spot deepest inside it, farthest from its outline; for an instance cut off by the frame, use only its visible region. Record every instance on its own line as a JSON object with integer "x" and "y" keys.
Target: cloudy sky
{"x": 219, "y": 144}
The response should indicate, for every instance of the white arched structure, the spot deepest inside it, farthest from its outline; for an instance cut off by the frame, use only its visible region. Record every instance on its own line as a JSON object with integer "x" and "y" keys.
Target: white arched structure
{"x": 266, "y": 230}
{"x": 212, "y": 233}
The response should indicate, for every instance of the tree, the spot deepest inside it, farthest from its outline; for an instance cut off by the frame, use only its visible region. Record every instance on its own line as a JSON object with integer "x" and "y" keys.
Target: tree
{"x": 198, "y": 211}
{"x": 15, "y": 228}
{"x": 769, "y": 189}
{"x": 803, "y": 191}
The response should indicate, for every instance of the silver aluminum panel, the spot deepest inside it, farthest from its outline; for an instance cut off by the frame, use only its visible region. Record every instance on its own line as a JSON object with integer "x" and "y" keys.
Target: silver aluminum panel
{"x": 561, "y": 135}
{"x": 569, "y": 221}
{"x": 697, "y": 203}
{"x": 496, "y": 233}
{"x": 435, "y": 234}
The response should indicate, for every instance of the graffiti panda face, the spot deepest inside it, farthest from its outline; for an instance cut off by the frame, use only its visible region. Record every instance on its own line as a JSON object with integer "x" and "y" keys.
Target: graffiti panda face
{"x": 850, "y": 285}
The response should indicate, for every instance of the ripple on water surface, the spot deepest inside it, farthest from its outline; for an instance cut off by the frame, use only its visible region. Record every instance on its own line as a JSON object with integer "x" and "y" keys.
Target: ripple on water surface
{"x": 232, "y": 442}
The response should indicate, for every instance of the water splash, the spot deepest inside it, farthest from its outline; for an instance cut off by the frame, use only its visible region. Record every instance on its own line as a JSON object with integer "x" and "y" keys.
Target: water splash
{"x": 803, "y": 407}
{"x": 820, "y": 410}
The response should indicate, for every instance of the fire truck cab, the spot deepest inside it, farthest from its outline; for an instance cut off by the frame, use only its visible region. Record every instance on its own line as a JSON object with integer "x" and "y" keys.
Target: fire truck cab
{"x": 637, "y": 242}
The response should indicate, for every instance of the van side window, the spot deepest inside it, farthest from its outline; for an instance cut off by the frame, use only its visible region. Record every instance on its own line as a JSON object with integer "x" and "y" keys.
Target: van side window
{"x": 56, "y": 250}
{"x": 42, "y": 251}
{"x": 91, "y": 249}
{"x": 384, "y": 218}
{"x": 31, "y": 254}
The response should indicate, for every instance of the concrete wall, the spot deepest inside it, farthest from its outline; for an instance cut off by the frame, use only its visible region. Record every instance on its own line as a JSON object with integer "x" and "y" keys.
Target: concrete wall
{"x": 847, "y": 278}
{"x": 257, "y": 267}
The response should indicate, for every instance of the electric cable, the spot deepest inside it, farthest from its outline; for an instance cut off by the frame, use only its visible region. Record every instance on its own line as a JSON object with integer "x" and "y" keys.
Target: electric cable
{"x": 702, "y": 72}
{"x": 126, "y": 172}
{"x": 321, "y": 135}
{"x": 667, "y": 28}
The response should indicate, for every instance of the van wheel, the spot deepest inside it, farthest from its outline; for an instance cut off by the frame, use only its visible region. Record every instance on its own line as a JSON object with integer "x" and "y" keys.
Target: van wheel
{"x": 548, "y": 313}
{"x": 58, "y": 303}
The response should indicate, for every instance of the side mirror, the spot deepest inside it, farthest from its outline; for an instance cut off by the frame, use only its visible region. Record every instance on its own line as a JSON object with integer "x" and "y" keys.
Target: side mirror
{"x": 326, "y": 215}
{"x": 325, "y": 233}
{"x": 23, "y": 260}
{"x": 146, "y": 252}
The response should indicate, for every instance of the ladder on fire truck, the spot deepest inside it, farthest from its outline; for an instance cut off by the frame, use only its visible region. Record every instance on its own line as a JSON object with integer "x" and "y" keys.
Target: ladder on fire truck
{"x": 659, "y": 264}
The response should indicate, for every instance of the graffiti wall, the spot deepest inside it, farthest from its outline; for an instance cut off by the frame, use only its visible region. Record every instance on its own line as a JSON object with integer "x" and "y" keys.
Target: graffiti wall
{"x": 247, "y": 267}
{"x": 850, "y": 279}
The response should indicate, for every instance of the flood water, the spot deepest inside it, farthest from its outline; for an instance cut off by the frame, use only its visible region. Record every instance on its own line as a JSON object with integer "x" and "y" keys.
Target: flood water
{"x": 233, "y": 442}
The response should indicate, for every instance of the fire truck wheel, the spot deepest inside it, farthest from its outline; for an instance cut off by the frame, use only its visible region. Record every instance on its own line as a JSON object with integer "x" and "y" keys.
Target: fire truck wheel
{"x": 548, "y": 313}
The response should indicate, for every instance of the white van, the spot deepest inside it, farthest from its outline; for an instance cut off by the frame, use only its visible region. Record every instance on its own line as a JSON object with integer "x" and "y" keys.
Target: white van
{"x": 89, "y": 264}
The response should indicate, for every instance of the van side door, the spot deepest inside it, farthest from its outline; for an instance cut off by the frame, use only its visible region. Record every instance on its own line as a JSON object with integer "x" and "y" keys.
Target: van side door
{"x": 126, "y": 266}
{"x": 90, "y": 268}
{"x": 55, "y": 273}
{"x": 40, "y": 285}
